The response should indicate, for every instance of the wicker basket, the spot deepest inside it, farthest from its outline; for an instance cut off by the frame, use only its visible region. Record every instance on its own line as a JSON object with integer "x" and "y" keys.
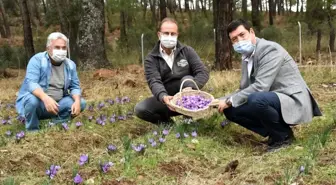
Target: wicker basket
{"x": 195, "y": 114}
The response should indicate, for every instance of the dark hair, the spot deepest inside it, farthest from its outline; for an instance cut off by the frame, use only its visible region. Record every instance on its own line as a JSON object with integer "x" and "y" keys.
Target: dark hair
{"x": 236, "y": 23}
{"x": 167, "y": 19}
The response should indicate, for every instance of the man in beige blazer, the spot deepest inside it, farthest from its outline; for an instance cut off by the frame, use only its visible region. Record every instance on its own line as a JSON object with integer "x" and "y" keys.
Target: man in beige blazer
{"x": 272, "y": 94}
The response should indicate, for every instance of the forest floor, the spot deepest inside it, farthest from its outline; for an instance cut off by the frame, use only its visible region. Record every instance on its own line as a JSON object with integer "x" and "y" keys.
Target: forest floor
{"x": 219, "y": 155}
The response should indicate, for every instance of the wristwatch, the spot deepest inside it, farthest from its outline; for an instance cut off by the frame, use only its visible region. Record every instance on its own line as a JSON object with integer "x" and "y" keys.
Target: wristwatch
{"x": 228, "y": 101}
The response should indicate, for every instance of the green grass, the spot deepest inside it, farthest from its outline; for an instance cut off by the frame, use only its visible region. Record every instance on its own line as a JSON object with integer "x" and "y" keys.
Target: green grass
{"x": 177, "y": 161}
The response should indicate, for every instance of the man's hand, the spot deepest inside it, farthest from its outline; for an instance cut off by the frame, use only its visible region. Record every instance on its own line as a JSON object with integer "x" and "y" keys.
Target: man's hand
{"x": 222, "y": 105}
{"x": 50, "y": 104}
{"x": 166, "y": 100}
{"x": 75, "y": 109}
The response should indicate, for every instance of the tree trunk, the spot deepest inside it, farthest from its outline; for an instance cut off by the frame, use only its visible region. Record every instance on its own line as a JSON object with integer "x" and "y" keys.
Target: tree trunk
{"x": 290, "y": 6}
{"x": 222, "y": 17}
{"x": 163, "y": 10}
{"x": 2, "y": 29}
{"x": 331, "y": 26}
{"x": 5, "y": 20}
{"x": 145, "y": 4}
{"x": 318, "y": 43}
{"x": 301, "y": 11}
{"x": 187, "y": 8}
{"x": 203, "y": 6}
{"x": 260, "y": 5}
{"x": 37, "y": 12}
{"x": 27, "y": 31}
{"x": 171, "y": 5}
{"x": 270, "y": 5}
{"x": 153, "y": 7}
{"x": 62, "y": 20}
{"x": 297, "y": 7}
{"x": 255, "y": 15}
{"x": 244, "y": 9}
{"x": 44, "y": 7}
{"x": 91, "y": 35}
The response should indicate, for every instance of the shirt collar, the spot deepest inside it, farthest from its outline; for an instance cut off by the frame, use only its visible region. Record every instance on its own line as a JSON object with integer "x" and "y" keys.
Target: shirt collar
{"x": 246, "y": 58}
{"x": 162, "y": 51}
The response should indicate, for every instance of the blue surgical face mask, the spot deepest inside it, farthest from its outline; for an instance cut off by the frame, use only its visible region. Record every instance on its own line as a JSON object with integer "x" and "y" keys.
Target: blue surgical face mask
{"x": 244, "y": 47}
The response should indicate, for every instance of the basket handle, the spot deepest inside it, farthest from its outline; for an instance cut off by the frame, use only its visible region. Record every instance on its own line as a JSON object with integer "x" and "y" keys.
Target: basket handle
{"x": 188, "y": 79}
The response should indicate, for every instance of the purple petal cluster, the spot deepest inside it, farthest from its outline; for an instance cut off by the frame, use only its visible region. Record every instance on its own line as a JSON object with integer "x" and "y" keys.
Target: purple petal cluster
{"x": 21, "y": 119}
{"x": 121, "y": 117}
{"x": 224, "y": 123}
{"x": 193, "y": 102}
{"x": 91, "y": 108}
{"x": 113, "y": 118}
{"x": 111, "y": 149}
{"x": 77, "y": 179}
{"x": 79, "y": 124}
{"x": 90, "y": 118}
{"x": 110, "y": 101}
{"x": 162, "y": 140}
{"x": 165, "y": 132}
{"x": 83, "y": 159}
{"x": 20, "y": 135}
{"x": 139, "y": 148}
{"x": 8, "y": 133}
{"x": 177, "y": 135}
{"x": 105, "y": 167}
{"x": 302, "y": 169}
{"x": 65, "y": 126}
{"x": 194, "y": 134}
{"x": 101, "y": 105}
{"x": 52, "y": 171}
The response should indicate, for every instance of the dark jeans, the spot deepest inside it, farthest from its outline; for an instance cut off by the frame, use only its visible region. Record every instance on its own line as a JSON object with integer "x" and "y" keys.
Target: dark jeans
{"x": 154, "y": 111}
{"x": 261, "y": 114}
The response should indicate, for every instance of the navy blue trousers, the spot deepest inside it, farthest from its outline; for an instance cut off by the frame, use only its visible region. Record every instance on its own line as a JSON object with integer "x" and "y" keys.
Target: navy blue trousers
{"x": 261, "y": 114}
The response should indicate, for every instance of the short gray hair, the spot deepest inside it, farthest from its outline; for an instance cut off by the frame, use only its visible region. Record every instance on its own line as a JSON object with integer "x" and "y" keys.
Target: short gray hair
{"x": 57, "y": 35}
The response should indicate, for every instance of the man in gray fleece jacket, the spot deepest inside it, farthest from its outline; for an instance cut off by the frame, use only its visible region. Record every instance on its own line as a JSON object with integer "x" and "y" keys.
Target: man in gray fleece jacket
{"x": 166, "y": 66}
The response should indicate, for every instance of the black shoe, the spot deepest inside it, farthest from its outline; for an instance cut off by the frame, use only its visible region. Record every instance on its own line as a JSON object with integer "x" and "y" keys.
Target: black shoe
{"x": 274, "y": 146}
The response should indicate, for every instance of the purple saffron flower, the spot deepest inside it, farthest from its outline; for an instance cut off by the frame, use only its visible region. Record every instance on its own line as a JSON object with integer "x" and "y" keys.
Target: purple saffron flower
{"x": 194, "y": 134}
{"x": 83, "y": 159}
{"x": 185, "y": 135}
{"x": 101, "y": 105}
{"x": 110, "y": 101}
{"x": 302, "y": 169}
{"x": 112, "y": 119}
{"x": 111, "y": 148}
{"x": 177, "y": 135}
{"x": 79, "y": 124}
{"x": 162, "y": 140}
{"x": 153, "y": 143}
{"x": 3, "y": 121}
{"x": 105, "y": 167}
{"x": 125, "y": 99}
{"x": 122, "y": 117}
{"x": 90, "y": 118}
{"x": 8, "y": 133}
{"x": 100, "y": 122}
{"x": 155, "y": 133}
{"x": 91, "y": 108}
{"x": 77, "y": 179}
{"x": 65, "y": 126}
{"x": 52, "y": 171}
{"x": 139, "y": 148}
{"x": 118, "y": 100}
{"x": 224, "y": 123}
{"x": 150, "y": 140}
{"x": 165, "y": 132}
{"x": 21, "y": 119}
{"x": 20, "y": 135}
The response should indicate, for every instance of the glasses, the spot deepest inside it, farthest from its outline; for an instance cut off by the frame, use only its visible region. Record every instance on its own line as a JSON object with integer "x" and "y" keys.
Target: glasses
{"x": 169, "y": 33}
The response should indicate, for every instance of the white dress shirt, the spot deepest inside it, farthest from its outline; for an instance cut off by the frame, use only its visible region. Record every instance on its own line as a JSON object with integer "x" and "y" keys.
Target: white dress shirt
{"x": 168, "y": 58}
{"x": 249, "y": 60}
